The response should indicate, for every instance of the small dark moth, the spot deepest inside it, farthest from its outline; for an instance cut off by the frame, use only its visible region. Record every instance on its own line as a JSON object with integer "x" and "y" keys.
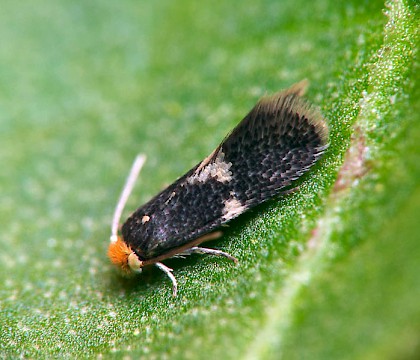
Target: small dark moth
{"x": 275, "y": 144}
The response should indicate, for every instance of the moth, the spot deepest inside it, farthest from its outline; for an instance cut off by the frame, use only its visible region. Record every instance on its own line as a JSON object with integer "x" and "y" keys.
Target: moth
{"x": 279, "y": 140}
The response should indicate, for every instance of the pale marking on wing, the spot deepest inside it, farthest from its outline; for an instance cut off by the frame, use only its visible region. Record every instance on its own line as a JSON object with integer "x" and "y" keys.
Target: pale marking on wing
{"x": 170, "y": 197}
{"x": 206, "y": 160}
{"x": 232, "y": 209}
{"x": 217, "y": 169}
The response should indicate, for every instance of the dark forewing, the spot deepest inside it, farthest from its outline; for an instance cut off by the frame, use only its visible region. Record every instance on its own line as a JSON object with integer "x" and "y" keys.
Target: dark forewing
{"x": 277, "y": 142}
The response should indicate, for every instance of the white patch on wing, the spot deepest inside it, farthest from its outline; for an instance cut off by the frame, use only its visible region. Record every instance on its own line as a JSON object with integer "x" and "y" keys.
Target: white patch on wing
{"x": 170, "y": 197}
{"x": 217, "y": 169}
{"x": 232, "y": 209}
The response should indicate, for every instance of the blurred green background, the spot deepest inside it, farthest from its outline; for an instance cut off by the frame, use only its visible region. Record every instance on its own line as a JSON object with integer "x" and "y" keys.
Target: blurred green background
{"x": 329, "y": 272}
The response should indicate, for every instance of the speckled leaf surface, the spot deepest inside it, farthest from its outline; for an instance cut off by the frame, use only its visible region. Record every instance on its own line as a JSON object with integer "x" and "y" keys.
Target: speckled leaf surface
{"x": 331, "y": 271}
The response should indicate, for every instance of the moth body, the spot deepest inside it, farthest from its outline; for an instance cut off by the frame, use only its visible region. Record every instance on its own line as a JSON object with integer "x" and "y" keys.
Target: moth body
{"x": 280, "y": 139}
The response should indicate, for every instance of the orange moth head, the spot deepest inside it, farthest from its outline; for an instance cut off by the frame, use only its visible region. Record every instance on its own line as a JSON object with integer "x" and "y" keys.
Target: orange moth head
{"x": 124, "y": 257}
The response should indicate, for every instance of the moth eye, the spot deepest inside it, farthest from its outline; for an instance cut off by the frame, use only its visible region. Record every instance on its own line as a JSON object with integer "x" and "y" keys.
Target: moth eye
{"x": 135, "y": 263}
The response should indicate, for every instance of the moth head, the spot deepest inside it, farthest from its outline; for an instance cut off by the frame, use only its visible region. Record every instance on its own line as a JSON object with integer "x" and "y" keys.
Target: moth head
{"x": 124, "y": 257}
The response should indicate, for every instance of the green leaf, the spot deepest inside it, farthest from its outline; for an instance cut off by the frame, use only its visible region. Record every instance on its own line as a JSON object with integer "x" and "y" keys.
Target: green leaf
{"x": 330, "y": 271}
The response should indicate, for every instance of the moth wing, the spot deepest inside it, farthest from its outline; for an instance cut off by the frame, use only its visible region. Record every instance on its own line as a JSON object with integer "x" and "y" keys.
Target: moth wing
{"x": 276, "y": 143}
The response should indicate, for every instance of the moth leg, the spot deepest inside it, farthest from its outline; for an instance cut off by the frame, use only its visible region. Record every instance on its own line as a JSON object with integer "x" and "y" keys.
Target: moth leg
{"x": 202, "y": 250}
{"x": 168, "y": 272}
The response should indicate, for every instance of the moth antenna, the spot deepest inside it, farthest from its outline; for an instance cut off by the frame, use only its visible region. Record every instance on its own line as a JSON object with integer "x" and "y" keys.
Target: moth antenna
{"x": 128, "y": 187}
{"x": 168, "y": 272}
